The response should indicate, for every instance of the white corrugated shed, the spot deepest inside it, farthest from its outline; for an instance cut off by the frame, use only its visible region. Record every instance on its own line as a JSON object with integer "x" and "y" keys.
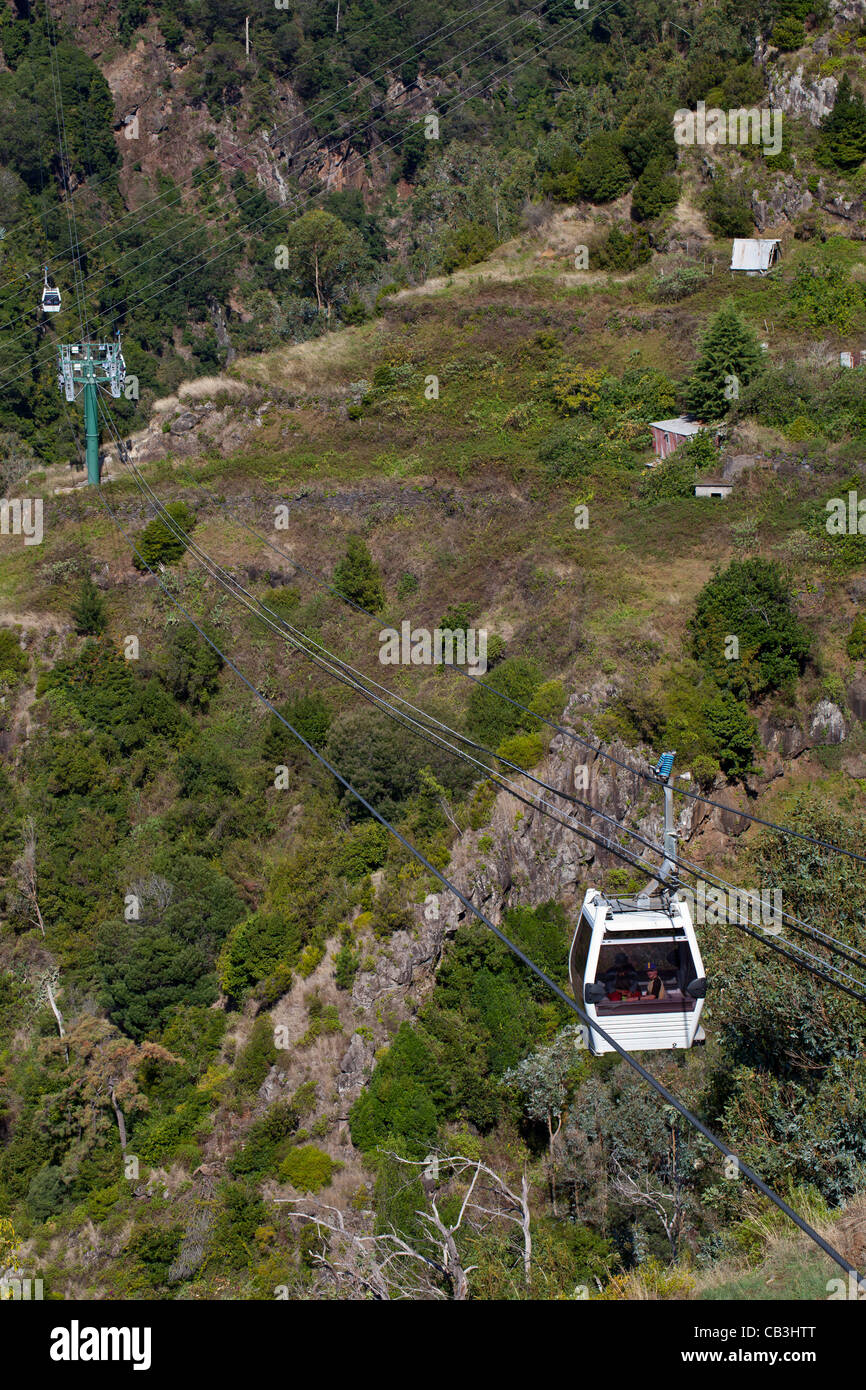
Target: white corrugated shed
{"x": 754, "y": 255}
{"x": 682, "y": 426}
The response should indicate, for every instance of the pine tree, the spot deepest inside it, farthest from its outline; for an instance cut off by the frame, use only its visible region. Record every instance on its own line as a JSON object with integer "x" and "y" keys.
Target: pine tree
{"x": 88, "y": 611}
{"x": 843, "y": 131}
{"x": 730, "y": 356}
{"x": 357, "y": 578}
{"x": 655, "y": 190}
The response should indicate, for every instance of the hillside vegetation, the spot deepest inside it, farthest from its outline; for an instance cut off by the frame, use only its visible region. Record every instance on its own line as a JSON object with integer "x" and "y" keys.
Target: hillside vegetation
{"x": 230, "y": 1001}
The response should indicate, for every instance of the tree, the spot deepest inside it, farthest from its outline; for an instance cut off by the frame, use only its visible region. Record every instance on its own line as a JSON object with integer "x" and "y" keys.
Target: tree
{"x": 162, "y": 540}
{"x": 647, "y": 135}
{"x": 749, "y": 602}
{"x": 88, "y": 611}
{"x": 193, "y": 666}
{"x": 429, "y": 1261}
{"x": 843, "y": 131}
{"x": 728, "y": 207}
{"x": 357, "y": 578}
{"x": 603, "y": 172}
{"x": 733, "y": 731}
{"x": 730, "y": 357}
{"x": 324, "y": 255}
{"x": 655, "y": 190}
{"x": 545, "y": 1080}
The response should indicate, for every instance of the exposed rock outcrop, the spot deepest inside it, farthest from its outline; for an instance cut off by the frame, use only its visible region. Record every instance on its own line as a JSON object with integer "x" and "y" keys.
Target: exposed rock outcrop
{"x": 796, "y": 95}
{"x": 827, "y": 724}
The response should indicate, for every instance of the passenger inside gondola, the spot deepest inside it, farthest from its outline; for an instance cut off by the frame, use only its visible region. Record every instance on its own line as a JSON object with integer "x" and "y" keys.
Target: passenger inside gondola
{"x": 655, "y": 985}
{"x": 647, "y": 976}
{"x": 620, "y": 981}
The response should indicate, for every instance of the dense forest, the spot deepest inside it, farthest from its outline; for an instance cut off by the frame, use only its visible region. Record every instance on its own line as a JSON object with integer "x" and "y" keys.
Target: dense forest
{"x": 401, "y": 291}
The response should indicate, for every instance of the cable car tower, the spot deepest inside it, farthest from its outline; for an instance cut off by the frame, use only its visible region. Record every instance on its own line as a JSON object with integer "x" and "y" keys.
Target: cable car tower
{"x": 635, "y": 964}
{"x": 82, "y": 369}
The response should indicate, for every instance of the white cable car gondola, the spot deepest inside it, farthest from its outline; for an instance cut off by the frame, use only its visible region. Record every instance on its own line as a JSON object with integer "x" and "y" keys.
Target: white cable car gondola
{"x": 50, "y": 296}
{"x": 635, "y": 965}
{"x": 636, "y": 968}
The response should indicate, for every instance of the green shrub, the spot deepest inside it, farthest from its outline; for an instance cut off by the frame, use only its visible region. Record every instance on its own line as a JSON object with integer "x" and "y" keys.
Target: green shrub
{"x": 363, "y": 850}
{"x": 705, "y": 770}
{"x": 825, "y": 296}
{"x": 308, "y": 1169}
{"x": 384, "y": 761}
{"x": 13, "y": 661}
{"x": 526, "y": 750}
{"x": 347, "y": 963}
{"x": 549, "y": 700}
{"x": 788, "y": 33}
{"x": 728, "y": 207}
{"x": 193, "y": 666}
{"x": 856, "y": 643}
{"x": 465, "y": 245}
{"x": 88, "y": 611}
{"x": 258, "y": 1056}
{"x": 310, "y": 715}
{"x": 491, "y": 719}
{"x": 679, "y": 283}
{"x": 672, "y": 477}
{"x": 623, "y": 249}
{"x": 357, "y": 578}
{"x": 575, "y": 450}
{"x": 158, "y": 543}
{"x": 254, "y": 950}
{"x": 749, "y": 601}
{"x": 267, "y": 1142}
{"x": 46, "y": 1194}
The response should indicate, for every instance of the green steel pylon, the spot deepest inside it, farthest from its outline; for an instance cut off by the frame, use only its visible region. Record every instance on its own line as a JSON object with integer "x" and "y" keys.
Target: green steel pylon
{"x": 83, "y": 368}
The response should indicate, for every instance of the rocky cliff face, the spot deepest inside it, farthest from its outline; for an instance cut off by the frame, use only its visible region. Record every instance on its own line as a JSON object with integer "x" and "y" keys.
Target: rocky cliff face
{"x": 520, "y": 857}
{"x": 159, "y": 132}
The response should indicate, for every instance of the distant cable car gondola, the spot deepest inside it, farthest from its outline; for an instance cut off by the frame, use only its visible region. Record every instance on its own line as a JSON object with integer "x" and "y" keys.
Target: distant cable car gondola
{"x": 50, "y": 296}
{"x": 635, "y": 965}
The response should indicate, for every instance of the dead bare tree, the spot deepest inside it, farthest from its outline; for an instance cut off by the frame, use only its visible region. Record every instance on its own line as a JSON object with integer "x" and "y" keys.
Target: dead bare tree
{"x": 45, "y": 985}
{"x": 493, "y": 1198}
{"x": 381, "y": 1266}
{"x": 386, "y": 1265}
{"x": 24, "y": 870}
{"x": 668, "y": 1207}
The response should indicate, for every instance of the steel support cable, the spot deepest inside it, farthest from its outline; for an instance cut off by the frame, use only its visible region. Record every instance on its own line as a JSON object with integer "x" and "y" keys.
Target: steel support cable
{"x": 324, "y": 107}
{"x": 806, "y": 929}
{"x": 852, "y": 953}
{"x": 339, "y": 670}
{"x": 672, "y": 1100}
{"x": 63, "y": 142}
{"x": 225, "y": 198}
{"x": 281, "y": 210}
{"x": 204, "y": 258}
{"x": 570, "y": 734}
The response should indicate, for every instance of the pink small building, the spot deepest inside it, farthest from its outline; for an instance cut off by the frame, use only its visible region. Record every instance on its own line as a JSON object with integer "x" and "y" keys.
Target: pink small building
{"x": 855, "y": 358}
{"x": 669, "y": 434}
